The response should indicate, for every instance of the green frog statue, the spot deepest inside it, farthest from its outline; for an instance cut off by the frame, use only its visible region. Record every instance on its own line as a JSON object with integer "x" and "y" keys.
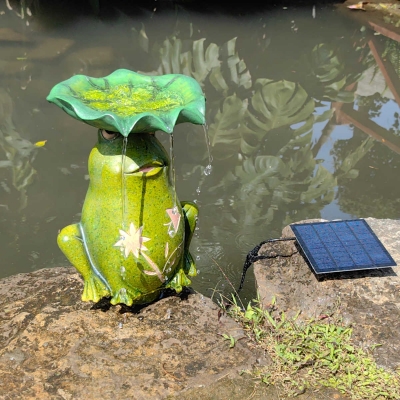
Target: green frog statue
{"x": 134, "y": 235}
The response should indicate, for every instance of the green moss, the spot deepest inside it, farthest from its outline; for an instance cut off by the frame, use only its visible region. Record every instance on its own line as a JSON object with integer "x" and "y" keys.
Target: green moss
{"x": 125, "y": 100}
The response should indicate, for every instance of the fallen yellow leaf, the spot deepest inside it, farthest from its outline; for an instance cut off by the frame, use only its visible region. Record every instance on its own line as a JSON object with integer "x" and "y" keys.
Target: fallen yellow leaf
{"x": 41, "y": 143}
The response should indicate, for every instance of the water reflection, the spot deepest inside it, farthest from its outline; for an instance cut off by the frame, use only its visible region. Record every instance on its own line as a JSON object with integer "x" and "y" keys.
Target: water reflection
{"x": 20, "y": 153}
{"x": 297, "y": 113}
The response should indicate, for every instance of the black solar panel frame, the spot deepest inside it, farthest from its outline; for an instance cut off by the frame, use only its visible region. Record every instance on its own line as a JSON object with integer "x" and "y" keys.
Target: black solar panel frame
{"x": 336, "y": 249}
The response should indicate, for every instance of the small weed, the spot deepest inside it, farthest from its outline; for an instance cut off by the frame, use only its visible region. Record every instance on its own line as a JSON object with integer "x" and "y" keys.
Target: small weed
{"x": 312, "y": 354}
{"x": 232, "y": 340}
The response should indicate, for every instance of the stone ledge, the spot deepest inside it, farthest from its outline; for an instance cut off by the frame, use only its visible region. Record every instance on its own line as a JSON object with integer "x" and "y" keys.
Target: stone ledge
{"x": 54, "y": 346}
{"x": 370, "y": 300}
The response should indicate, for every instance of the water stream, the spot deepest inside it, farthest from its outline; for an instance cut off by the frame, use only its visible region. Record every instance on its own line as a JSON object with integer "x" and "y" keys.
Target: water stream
{"x": 172, "y": 167}
{"x": 124, "y": 195}
{"x": 208, "y": 168}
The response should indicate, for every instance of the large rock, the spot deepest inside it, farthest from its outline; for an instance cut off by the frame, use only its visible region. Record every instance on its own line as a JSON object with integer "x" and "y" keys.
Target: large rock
{"x": 368, "y": 300}
{"x": 54, "y": 346}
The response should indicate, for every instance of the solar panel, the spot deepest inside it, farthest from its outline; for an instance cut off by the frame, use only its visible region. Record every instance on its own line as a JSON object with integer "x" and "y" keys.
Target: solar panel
{"x": 340, "y": 246}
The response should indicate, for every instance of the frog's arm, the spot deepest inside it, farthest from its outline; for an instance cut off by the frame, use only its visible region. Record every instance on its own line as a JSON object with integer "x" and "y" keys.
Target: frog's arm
{"x": 188, "y": 267}
{"x": 190, "y": 212}
{"x": 72, "y": 245}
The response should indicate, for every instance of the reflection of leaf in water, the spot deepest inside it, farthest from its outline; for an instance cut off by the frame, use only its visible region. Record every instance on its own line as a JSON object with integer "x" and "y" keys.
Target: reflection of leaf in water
{"x": 325, "y": 64}
{"x": 238, "y": 75}
{"x": 261, "y": 178}
{"x": 346, "y": 168}
{"x": 326, "y": 75}
{"x": 222, "y": 65}
{"x": 20, "y": 152}
{"x": 266, "y": 187}
{"x": 196, "y": 62}
{"x": 320, "y": 187}
{"x": 225, "y": 132}
{"x": 278, "y": 104}
{"x": 274, "y": 105}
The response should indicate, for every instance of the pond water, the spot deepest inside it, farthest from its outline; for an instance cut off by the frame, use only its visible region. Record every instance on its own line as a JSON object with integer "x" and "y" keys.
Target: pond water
{"x": 302, "y": 123}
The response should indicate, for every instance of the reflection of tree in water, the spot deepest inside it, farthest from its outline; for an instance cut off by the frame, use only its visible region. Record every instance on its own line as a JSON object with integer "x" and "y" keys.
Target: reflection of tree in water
{"x": 373, "y": 104}
{"x": 396, "y": 124}
{"x": 392, "y": 53}
{"x": 372, "y": 193}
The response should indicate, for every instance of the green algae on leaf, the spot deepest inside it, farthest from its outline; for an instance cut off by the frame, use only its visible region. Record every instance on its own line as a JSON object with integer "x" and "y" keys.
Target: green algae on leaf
{"x": 128, "y": 102}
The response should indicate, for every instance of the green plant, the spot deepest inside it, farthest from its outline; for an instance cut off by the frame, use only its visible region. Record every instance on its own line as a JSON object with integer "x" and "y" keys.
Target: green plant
{"x": 230, "y": 338}
{"x": 313, "y": 353}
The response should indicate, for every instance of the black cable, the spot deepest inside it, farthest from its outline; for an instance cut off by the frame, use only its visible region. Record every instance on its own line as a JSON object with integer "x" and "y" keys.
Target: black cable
{"x": 252, "y": 257}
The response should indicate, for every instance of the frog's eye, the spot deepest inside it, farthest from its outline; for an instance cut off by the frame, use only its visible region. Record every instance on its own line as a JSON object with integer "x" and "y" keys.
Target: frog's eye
{"x": 108, "y": 135}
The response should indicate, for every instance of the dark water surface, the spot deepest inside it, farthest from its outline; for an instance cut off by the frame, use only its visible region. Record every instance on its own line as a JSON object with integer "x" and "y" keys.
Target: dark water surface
{"x": 301, "y": 121}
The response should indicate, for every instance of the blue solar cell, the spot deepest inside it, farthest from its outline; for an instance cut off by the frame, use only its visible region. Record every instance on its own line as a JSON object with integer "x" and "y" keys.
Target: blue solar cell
{"x": 341, "y": 246}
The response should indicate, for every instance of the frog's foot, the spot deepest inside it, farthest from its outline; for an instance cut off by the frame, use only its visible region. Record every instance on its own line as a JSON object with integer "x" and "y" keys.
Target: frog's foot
{"x": 126, "y": 296}
{"x": 94, "y": 289}
{"x": 72, "y": 245}
{"x": 179, "y": 280}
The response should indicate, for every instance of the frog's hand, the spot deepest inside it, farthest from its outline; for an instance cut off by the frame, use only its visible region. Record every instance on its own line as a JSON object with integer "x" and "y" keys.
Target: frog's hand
{"x": 72, "y": 245}
{"x": 187, "y": 267}
{"x": 190, "y": 212}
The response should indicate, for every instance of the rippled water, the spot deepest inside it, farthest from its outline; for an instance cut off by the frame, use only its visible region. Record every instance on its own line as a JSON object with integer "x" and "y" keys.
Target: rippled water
{"x": 302, "y": 115}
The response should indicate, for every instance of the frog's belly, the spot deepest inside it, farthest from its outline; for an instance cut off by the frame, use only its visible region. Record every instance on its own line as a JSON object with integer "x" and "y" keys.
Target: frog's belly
{"x": 141, "y": 250}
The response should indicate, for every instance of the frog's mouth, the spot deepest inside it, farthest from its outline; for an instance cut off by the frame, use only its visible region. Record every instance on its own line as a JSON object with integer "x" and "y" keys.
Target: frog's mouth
{"x": 149, "y": 169}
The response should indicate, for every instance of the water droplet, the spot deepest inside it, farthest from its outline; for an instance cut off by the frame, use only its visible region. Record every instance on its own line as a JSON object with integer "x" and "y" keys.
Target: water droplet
{"x": 120, "y": 325}
{"x": 122, "y": 292}
{"x": 198, "y": 190}
{"x": 197, "y": 257}
{"x": 171, "y": 233}
{"x": 197, "y": 228}
{"x": 198, "y": 272}
{"x": 210, "y": 158}
{"x": 195, "y": 201}
{"x": 197, "y": 248}
{"x": 207, "y": 170}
